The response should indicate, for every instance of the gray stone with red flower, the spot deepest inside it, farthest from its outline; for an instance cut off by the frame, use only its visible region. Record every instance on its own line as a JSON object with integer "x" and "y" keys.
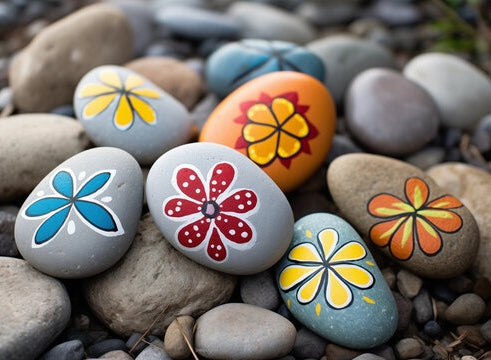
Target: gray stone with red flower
{"x": 219, "y": 208}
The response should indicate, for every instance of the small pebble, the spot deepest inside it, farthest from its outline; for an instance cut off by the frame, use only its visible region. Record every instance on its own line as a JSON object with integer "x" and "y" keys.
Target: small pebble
{"x": 423, "y": 308}
{"x": 154, "y": 351}
{"x": 389, "y": 277}
{"x": 486, "y": 331}
{"x": 105, "y": 346}
{"x": 428, "y": 157}
{"x": 468, "y": 357}
{"x": 306, "y": 203}
{"x": 405, "y": 308}
{"x": 482, "y": 287}
{"x": 460, "y": 284}
{"x": 336, "y": 352}
{"x": 408, "y": 348}
{"x": 472, "y": 334}
{"x": 7, "y": 240}
{"x": 70, "y": 350}
{"x": 433, "y": 329}
{"x": 64, "y": 110}
{"x": 368, "y": 356}
{"x": 88, "y": 337}
{"x": 308, "y": 345}
{"x": 260, "y": 290}
{"x": 175, "y": 344}
{"x": 133, "y": 340}
{"x": 467, "y": 309}
{"x": 116, "y": 355}
{"x": 441, "y": 308}
{"x": 408, "y": 284}
{"x": 384, "y": 351}
{"x": 441, "y": 291}
{"x": 341, "y": 144}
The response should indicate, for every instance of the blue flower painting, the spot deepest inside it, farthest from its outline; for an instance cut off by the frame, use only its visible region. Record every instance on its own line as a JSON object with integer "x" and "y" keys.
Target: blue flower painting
{"x": 56, "y": 209}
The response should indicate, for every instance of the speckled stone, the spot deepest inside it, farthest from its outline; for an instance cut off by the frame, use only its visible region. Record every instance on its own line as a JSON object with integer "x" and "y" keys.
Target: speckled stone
{"x": 388, "y": 186}
{"x": 77, "y": 222}
{"x": 331, "y": 284}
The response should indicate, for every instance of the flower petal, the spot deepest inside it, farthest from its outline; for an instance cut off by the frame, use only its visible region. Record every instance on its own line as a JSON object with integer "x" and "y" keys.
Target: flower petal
{"x": 123, "y": 117}
{"x": 98, "y": 105}
{"x": 149, "y": 93}
{"x": 111, "y": 78}
{"x": 96, "y": 215}
{"x": 402, "y": 242}
{"x": 96, "y": 183}
{"x": 282, "y": 109}
{"x": 222, "y": 177}
{"x": 327, "y": 239}
{"x": 445, "y": 202}
{"x": 355, "y": 275}
{"x": 263, "y": 152}
{"x": 193, "y": 234}
{"x": 416, "y": 192}
{"x": 241, "y": 202}
{"x": 261, "y": 113}
{"x": 190, "y": 184}
{"x": 444, "y": 220}
{"x": 90, "y": 90}
{"x": 63, "y": 183}
{"x": 296, "y": 126}
{"x": 253, "y": 132}
{"x": 293, "y": 275}
{"x": 234, "y": 229}
{"x": 305, "y": 252}
{"x": 216, "y": 248}
{"x": 429, "y": 239}
{"x": 350, "y": 251}
{"x": 144, "y": 110}
{"x": 179, "y": 207}
{"x": 309, "y": 290}
{"x": 338, "y": 294}
{"x": 386, "y": 205}
{"x": 288, "y": 146}
{"x": 381, "y": 233}
{"x": 45, "y": 206}
{"x": 50, "y": 227}
{"x": 133, "y": 81}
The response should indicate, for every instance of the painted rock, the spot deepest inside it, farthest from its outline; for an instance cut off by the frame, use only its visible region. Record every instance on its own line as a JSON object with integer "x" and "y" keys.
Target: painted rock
{"x": 401, "y": 210}
{"x": 121, "y": 108}
{"x": 219, "y": 209}
{"x": 283, "y": 121}
{"x": 82, "y": 217}
{"x": 236, "y": 63}
{"x": 331, "y": 283}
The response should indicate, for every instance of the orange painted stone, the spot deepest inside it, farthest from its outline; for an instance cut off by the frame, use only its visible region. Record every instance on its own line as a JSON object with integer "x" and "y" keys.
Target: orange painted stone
{"x": 283, "y": 121}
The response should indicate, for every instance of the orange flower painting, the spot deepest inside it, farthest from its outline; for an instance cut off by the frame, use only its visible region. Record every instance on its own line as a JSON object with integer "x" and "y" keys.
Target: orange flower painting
{"x": 414, "y": 221}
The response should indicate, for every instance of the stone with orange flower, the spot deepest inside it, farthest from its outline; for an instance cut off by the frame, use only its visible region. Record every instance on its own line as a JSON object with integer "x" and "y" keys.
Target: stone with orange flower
{"x": 122, "y": 109}
{"x": 331, "y": 283}
{"x": 219, "y": 209}
{"x": 402, "y": 211}
{"x": 283, "y": 121}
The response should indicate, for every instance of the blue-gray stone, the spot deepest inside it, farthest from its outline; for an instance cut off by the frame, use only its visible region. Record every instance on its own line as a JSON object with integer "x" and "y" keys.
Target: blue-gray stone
{"x": 236, "y": 63}
{"x": 69, "y": 350}
{"x": 105, "y": 346}
{"x": 331, "y": 283}
{"x": 65, "y": 110}
{"x": 195, "y": 23}
{"x": 154, "y": 352}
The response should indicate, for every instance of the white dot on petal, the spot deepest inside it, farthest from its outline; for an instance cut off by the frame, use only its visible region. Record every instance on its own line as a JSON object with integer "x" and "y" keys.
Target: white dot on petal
{"x": 198, "y": 191}
{"x": 213, "y": 190}
{"x": 199, "y": 208}
{"x": 40, "y": 193}
{"x": 226, "y": 220}
{"x": 170, "y": 212}
{"x": 202, "y": 222}
{"x": 212, "y": 246}
{"x": 208, "y": 220}
{"x": 231, "y": 232}
{"x": 192, "y": 177}
{"x": 190, "y": 241}
{"x": 178, "y": 209}
{"x": 241, "y": 206}
{"x": 219, "y": 247}
{"x": 198, "y": 235}
{"x": 179, "y": 203}
{"x": 213, "y": 182}
{"x": 244, "y": 234}
{"x": 240, "y": 224}
{"x": 237, "y": 197}
{"x": 219, "y": 171}
{"x": 71, "y": 227}
{"x": 249, "y": 202}
{"x": 248, "y": 195}
{"x": 195, "y": 227}
{"x": 224, "y": 183}
{"x": 219, "y": 191}
{"x": 186, "y": 233}
{"x": 217, "y": 255}
{"x": 219, "y": 218}
{"x": 185, "y": 184}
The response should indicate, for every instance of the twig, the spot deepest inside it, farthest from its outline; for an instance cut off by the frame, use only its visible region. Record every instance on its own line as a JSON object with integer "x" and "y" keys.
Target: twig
{"x": 188, "y": 343}
{"x": 142, "y": 338}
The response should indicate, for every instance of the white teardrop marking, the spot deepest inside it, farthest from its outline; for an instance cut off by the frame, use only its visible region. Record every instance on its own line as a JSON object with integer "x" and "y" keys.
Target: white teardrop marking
{"x": 106, "y": 199}
{"x": 71, "y": 227}
{"x": 82, "y": 175}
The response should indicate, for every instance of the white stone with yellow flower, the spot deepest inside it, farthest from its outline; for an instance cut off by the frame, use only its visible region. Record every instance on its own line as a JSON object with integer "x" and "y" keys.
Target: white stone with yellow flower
{"x": 330, "y": 282}
{"x": 121, "y": 108}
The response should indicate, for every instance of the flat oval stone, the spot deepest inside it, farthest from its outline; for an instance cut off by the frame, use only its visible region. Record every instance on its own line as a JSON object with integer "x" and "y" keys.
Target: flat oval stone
{"x": 460, "y": 91}
{"x": 236, "y": 63}
{"x": 390, "y": 114}
{"x": 121, "y": 108}
{"x": 251, "y": 332}
{"x": 283, "y": 121}
{"x": 331, "y": 283}
{"x": 219, "y": 209}
{"x": 402, "y": 210}
{"x": 82, "y": 217}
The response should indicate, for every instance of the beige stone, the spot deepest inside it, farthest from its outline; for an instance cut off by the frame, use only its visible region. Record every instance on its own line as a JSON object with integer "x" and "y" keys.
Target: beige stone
{"x": 153, "y": 279}
{"x": 354, "y": 180}
{"x": 473, "y": 187}
{"x": 44, "y": 74}
{"x": 180, "y": 330}
{"x": 173, "y": 76}
{"x": 31, "y": 145}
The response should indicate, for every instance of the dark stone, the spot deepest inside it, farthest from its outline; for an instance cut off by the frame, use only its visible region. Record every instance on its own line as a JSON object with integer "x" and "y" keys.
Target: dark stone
{"x": 308, "y": 345}
{"x": 336, "y": 352}
{"x": 65, "y": 110}
{"x": 341, "y": 145}
{"x": 105, "y": 346}
{"x": 405, "y": 308}
{"x": 7, "y": 240}
{"x": 460, "y": 284}
{"x": 88, "y": 337}
{"x": 441, "y": 292}
{"x": 433, "y": 329}
{"x": 70, "y": 350}
{"x": 423, "y": 307}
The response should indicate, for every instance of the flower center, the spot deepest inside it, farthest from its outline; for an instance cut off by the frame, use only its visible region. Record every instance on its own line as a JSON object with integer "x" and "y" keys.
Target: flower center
{"x": 210, "y": 209}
